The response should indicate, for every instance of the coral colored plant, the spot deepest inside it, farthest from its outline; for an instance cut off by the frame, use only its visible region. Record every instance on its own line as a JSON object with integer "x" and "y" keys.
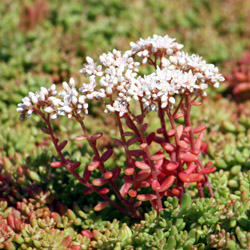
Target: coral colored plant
{"x": 177, "y": 82}
{"x": 239, "y": 80}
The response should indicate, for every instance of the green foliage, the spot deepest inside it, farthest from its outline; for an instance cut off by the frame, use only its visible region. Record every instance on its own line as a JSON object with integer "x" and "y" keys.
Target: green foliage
{"x": 45, "y": 41}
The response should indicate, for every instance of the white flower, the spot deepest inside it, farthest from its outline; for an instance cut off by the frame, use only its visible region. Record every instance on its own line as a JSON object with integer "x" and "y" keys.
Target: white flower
{"x": 206, "y": 73}
{"x": 41, "y": 97}
{"x": 144, "y": 47}
{"x": 115, "y": 81}
{"x": 49, "y": 110}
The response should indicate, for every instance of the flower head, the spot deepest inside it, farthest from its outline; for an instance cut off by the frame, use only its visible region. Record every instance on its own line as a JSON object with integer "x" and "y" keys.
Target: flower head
{"x": 116, "y": 80}
{"x": 38, "y": 99}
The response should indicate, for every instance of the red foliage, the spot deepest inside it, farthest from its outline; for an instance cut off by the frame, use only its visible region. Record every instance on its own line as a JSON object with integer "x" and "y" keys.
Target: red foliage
{"x": 239, "y": 79}
{"x": 34, "y": 14}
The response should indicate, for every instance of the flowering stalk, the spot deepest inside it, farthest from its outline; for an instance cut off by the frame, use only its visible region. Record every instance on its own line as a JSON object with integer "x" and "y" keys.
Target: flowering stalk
{"x": 115, "y": 82}
{"x": 70, "y": 167}
{"x": 102, "y": 167}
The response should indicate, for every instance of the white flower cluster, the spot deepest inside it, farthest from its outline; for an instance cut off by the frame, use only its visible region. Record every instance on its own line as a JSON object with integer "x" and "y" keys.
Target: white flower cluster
{"x": 26, "y": 108}
{"x": 115, "y": 81}
{"x": 163, "y": 85}
{"x": 56, "y": 104}
{"x": 157, "y": 44}
{"x": 114, "y": 74}
{"x": 205, "y": 73}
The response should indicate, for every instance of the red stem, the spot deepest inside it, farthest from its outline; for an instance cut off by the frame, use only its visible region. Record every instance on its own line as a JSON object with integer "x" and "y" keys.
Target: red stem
{"x": 97, "y": 155}
{"x": 178, "y": 157}
{"x": 129, "y": 158}
{"x": 163, "y": 125}
{"x": 191, "y": 138}
{"x": 179, "y": 105}
{"x": 68, "y": 167}
{"x": 148, "y": 154}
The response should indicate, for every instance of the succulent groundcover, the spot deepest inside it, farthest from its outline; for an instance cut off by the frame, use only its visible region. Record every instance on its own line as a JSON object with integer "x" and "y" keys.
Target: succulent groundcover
{"x": 157, "y": 185}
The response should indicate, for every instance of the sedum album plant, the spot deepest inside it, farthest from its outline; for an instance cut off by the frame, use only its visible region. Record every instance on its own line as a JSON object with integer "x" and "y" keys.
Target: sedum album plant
{"x": 178, "y": 81}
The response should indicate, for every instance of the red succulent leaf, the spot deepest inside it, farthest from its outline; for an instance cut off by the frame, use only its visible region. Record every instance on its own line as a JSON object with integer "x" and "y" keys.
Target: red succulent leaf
{"x": 158, "y": 164}
{"x": 146, "y": 197}
{"x": 182, "y": 144}
{"x": 62, "y": 145}
{"x": 56, "y": 164}
{"x": 155, "y": 185}
{"x": 207, "y": 170}
{"x": 172, "y": 166}
{"x": 150, "y": 138}
{"x": 168, "y": 146}
{"x": 137, "y": 152}
{"x": 100, "y": 206}
{"x": 187, "y": 129}
{"x": 184, "y": 177}
{"x": 199, "y": 129}
{"x": 159, "y": 140}
{"x": 124, "y": 189}
{"x": 176, "y": 191}
{"x": 86, "y": 175}
{"x": 132, "y": 141}
{"x": 157, "y": 157}
{"x": 104, "y": 190}
{"x": 118, "y": 142}
{"x": 179, "y": 130}
{"x": 80, "y": 138}
{"x": 187, "y": 157}
{"x": 96, "y": 136}
{"x": 191, "y": 168}
{"x": 99, "y": 182}
{"x": 116, "y": 173}
{"x": 171, "y": 132}
{"x": 93, "y": 165}
{"x": 108, "y": 175}
{"x": 132, "y": 193}
{"x": 142, "y": 165}
{"x": 66, "y": 242}
{"x": 106, "y": 155}
{"x": 143, "y": 175}
{"x": 129, "y": 171}
{"x": 87, "y": 233}
{"x": 167, "y": 183}
{"x": 179, "y": 115}
{"x": 87, "y": 191}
